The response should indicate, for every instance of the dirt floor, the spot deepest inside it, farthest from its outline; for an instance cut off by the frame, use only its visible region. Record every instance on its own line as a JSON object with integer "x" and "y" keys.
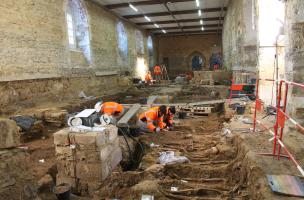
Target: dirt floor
{"x": 212, "y": 173}
{"x": 222, "y": 166}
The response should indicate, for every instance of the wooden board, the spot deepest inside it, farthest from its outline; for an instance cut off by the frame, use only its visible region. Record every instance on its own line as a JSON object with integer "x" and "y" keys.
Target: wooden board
{"x": 287, "y": 185}
{"x": 123, "y": 122}
{"x": 151, "y": 99}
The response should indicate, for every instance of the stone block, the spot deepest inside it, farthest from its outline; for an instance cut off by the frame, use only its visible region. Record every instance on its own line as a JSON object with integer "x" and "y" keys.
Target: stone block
{"x": 65, "y": 151}
{"x": 9, "y": 134}
{"x": 88, "y": 156}
{"x": 107, "y": 150}
{"x": 85, "y": 171}
{"x": 66, "y": 168}
{"x": 55, "y": 117}
{"x": 101, "y": 139}
{"x": 62, "y": 137}
{"x": 60, "y": 178}
{"x": 105, "y": 170}
{"x": 116, "y": 157}
{"x": 90, "y": 140}
{"x": 112, "y": 133}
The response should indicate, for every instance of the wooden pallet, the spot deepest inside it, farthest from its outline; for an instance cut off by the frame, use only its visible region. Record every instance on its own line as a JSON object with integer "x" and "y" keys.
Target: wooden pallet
{"x": 195, "y": 110}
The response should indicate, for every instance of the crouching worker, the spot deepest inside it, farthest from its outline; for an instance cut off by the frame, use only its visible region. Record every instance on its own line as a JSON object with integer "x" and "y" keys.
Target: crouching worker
{"x": 168, "y": 118}
{"x": 110, "y": 109}
{"x": 148, "y": 78}
{"x": 152, "y": 120}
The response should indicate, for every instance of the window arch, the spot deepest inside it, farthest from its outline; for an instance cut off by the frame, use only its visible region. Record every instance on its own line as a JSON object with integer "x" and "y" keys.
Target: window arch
{"x": 150, "y": 51}
{"x": 139, "y": 42}
{"x": 122, "y": 39}
{"x": 150, "y": 45}
{"x": 78, "y": 28}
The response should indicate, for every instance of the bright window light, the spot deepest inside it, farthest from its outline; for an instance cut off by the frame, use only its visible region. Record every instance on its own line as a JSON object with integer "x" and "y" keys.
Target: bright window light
{"x": 71, "y": 31}
{"x": 164, "y": 31}
{"x": 197, "y": 3}
{"x": 156, "y": 25}
{"x": 141, "y": 67}
{"x": 203, "y": 28}
{"x": 147, "y": 18}
{"x": 199, "y": 13}
{"x": 201, "y": 22}
{"x": 131, "y": 6}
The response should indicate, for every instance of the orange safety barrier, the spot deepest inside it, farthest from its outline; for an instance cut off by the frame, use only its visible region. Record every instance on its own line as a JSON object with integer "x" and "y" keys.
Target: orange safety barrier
{"x": 281, "y": 118}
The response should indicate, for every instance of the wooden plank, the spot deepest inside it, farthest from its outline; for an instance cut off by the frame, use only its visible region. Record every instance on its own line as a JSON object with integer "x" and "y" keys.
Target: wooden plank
{"x": 151, "y": 99}
{"x": 178, "y": 12}
{"x": 180, "y": 20}
{"x": 207, "y": 102}
{"x": 123, "y": 122}
{"x": 142, "y": 3}
{"x": 185, "y": 104}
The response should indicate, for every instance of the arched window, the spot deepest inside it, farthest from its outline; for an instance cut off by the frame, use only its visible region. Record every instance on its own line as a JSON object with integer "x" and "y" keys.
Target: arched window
{"x": 150, "y": 51}
{"x": 139, "y": 43}
{"x": 150, "y": 45}
{"x": 78, "y": 28}
{"x": 122, "y": 39}
{"x": 196, "y": 61}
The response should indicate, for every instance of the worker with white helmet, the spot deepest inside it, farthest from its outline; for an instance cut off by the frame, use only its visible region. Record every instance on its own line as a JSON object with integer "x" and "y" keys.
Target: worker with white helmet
{"x": 110, "y": 111}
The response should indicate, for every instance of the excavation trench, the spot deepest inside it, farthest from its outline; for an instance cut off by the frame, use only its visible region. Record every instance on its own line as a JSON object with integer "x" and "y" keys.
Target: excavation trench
{"x": 215, "y": 170}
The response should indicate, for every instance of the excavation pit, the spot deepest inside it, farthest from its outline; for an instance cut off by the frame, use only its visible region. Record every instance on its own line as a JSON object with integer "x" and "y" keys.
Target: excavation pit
{"x": 214, "y": 170}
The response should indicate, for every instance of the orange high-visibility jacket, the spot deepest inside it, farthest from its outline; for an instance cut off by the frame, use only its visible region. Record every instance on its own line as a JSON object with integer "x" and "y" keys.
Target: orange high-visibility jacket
{"x": 157, "y": 70}
{"x": 111, "y": 108}
{"x": 169, "y": 117}
{"x": 150, "y": 116}
{"x": 148, "y": 77}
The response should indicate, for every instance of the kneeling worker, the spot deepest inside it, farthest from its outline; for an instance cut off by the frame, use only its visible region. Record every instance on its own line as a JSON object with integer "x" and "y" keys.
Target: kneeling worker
{"x": 112, "y": 109}
{"x": 168, "y": 118}
{"x": 152, "y": 119}
{"x": 148, "y": 78}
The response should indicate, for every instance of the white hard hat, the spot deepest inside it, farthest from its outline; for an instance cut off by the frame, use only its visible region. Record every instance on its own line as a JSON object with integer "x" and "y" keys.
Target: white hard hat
{"x": 98, "y": 106}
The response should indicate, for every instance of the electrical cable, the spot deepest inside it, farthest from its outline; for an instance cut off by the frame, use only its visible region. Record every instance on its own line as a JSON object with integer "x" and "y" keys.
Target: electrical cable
{"x": 130, "y": 151}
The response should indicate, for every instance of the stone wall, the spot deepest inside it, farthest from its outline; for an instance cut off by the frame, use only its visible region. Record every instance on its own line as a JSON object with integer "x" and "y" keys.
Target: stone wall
{"x": 240, "y": 36}
{"x": 34, "y": 34}
{"x": 294, "y": 64}
{"x": 179, "y": 50}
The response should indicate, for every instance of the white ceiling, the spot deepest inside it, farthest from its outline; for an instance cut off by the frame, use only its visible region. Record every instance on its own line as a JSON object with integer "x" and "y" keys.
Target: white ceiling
{"x": 125, "y": 10}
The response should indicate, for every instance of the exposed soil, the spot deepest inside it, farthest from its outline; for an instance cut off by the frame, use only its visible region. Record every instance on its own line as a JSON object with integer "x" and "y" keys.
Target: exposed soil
{"x": 42, "y": 156}
{"x": 220, "y": 167}
{"x": 213, "y": 171}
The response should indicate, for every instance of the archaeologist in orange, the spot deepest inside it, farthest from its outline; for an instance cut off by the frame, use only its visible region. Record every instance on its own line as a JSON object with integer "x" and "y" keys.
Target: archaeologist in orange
{"x": 152, "y": 119}
{"x": 148, "y": 78}
{"x": 113, "y": 109}
{"x": 157, "y": 73}
{"x": 168, "y": 118}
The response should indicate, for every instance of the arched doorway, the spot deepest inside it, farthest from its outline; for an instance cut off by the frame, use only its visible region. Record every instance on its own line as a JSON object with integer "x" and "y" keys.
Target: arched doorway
{"x": 150, "y": 51}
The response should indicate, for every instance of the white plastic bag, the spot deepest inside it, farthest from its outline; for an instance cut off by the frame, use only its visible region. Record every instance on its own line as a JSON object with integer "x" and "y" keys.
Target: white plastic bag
{"x": 169, "y": 158}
